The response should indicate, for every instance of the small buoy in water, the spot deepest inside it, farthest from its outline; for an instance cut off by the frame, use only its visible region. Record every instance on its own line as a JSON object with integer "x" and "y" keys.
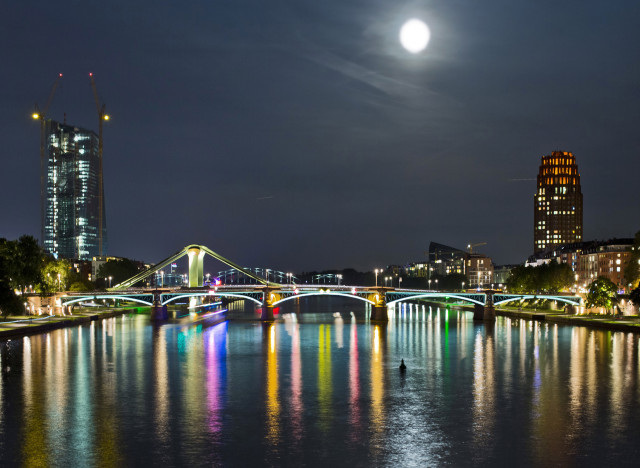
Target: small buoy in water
{"x": 402, "y": 366}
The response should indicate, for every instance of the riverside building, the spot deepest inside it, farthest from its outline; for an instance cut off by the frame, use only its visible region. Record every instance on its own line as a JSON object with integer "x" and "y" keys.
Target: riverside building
{"x": 445, "y": 260}
{"x": 557, "y": 210}
{"x": 71, "y": 193}
{"x": 591, "y": 259}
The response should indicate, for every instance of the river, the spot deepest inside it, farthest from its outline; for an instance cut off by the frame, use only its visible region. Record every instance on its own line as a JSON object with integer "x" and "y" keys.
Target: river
{"x": 316, "y": 389}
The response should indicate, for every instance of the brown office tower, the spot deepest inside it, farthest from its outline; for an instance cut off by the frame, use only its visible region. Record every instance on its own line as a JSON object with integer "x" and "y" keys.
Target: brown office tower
{"x": 557, "y": 212}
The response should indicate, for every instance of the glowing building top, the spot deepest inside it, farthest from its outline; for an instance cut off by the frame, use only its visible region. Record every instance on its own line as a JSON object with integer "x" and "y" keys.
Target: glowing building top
{"x": 557, "y": 210}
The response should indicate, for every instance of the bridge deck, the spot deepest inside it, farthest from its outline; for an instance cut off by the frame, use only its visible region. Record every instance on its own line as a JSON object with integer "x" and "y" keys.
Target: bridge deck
{"x": 284, "y": 292}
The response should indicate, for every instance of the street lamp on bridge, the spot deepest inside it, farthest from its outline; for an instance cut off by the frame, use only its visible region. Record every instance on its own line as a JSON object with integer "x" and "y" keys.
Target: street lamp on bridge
{"x": 377, "y": 271}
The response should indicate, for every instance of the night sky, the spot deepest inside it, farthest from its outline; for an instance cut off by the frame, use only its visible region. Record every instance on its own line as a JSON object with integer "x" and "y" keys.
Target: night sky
{"x": 299, "y": 134}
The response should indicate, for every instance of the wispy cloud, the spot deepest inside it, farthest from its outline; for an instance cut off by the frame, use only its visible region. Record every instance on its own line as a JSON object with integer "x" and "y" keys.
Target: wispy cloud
{"x": 390, "y": 86}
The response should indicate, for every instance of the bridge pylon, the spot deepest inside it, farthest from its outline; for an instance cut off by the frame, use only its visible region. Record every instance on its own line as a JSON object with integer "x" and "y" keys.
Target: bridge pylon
{"x": 196, "y": 266}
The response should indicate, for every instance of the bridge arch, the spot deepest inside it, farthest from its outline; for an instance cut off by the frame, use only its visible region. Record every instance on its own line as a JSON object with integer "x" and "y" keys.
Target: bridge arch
{"x": 435, "y": 295}
{"x": 217, "y": 294}
{"x": 240, "y": 296}
{"x": 182, "y": 296}
{"x": 567, "y": 300}
{"x": 91, "y": 298}
{"x": 298, "y": 296}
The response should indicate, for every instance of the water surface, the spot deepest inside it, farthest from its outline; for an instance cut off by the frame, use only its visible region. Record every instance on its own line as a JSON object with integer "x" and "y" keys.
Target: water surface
{"x": 314, "y": 389}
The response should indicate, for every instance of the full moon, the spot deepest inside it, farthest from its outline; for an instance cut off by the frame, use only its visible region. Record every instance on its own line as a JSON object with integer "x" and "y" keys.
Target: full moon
{"x": 414, "y": 35}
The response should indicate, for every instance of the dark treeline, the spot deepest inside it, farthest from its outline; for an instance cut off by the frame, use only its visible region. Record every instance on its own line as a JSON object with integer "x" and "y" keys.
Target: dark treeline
{"x": 26, "y": 268}
{"x": 22, "y": 268}
{"x": 549, "y": 278}
{"x": 119, "y": 271}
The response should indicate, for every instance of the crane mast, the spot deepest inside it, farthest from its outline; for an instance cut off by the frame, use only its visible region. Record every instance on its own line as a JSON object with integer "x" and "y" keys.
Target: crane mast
{"x": 471, "y": 246}
{"x": 42, "y": 117}
{"x": 102, "y": 116}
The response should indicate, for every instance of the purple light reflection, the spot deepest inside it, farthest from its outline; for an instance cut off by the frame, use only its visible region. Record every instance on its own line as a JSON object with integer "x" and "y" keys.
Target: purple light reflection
{"x": 216, "y": 365}
{"x": 354, "y": 381}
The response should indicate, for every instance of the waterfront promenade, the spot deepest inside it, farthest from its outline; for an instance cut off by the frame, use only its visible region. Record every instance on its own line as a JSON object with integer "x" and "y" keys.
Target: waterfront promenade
{"x": 627, "y": 323}
{"x": 22, "y": 325}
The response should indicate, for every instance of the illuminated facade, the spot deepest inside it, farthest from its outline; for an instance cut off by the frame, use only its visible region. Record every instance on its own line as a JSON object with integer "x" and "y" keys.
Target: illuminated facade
{"x": 591, "y": 259}
{"x": 557, "y": 208}
{"x": 445, "y": 260}
{"x": 71, "y": 205}
{"x": 479, "y": 270}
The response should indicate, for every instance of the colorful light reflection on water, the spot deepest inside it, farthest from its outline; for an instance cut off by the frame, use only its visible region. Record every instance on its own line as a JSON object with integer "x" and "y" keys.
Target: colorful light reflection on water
{"x": 315, "y": 389}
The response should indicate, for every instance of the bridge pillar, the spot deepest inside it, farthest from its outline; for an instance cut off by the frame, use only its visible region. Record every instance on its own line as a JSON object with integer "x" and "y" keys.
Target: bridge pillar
{"x": 485, "y": 312}
{"x": 158, "y": 311}
{"x": 268, "y": 299}
{"x": 196, "y": 268}
{"x": 267, "y": 313}
{"x": 379, "y": 312}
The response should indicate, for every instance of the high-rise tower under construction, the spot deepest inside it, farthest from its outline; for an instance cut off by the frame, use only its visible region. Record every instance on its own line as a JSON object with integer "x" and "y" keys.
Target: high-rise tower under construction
{"x": 72, "y": 213}
{"x": 72, "y": 197}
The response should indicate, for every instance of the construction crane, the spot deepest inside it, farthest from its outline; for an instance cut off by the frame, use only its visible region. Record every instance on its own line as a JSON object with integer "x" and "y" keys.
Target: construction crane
{"x": 41, "y": 115}
{"x": 102, "y": 116}
{"x": 471, "y": 246}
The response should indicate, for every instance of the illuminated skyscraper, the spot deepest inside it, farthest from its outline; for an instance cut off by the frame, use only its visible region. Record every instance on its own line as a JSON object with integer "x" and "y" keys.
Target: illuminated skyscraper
{"x": 557, "y": 208}
{"x": 71, "y": 192}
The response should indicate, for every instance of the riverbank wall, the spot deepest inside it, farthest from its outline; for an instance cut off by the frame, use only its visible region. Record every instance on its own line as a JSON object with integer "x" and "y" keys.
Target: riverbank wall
{"x": 33, "y": 325}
